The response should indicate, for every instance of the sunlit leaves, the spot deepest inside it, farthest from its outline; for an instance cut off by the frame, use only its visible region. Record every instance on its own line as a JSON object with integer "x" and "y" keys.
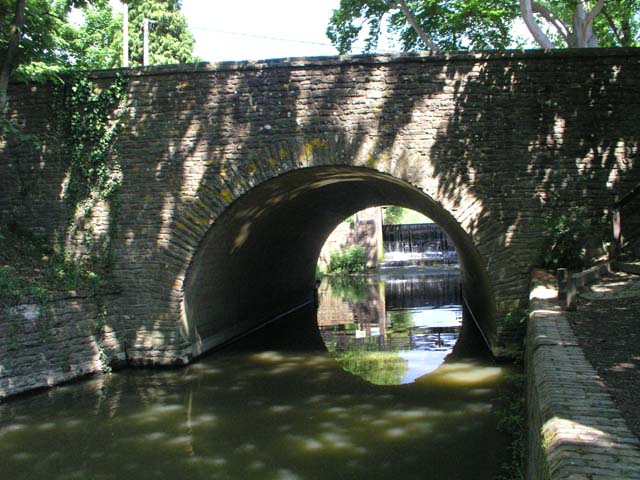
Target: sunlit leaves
{"x": 470, "y": 24}
{"x": 453, "y": 25}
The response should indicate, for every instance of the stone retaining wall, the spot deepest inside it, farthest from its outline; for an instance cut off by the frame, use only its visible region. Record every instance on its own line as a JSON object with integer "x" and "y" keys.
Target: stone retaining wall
{"x": 575, "y": 430}
{"x": 43, "y": 344}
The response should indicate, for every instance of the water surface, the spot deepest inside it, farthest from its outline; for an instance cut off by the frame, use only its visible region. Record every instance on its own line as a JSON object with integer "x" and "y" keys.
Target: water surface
{"x": 278, "y": 405}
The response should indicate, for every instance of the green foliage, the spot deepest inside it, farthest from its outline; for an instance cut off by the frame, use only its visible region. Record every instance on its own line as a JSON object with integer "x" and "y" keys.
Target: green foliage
{"x": 29, "y": 267}
{"x": 13, "y": 286}
{"x": 50, "y": 43}
{"x": 352, "y": 260}
{"x": 379, "y": 368}
{"x": 392, "y": 215}
{"x": 452, "y": 25}
{"x": 44, "y": 35}
{"x": 87, "y": 127}
{"x": 469, "y": 24}
{"x": 97, "y": 43}
{"x": 565, "y": 229}
{"x": 618, "y": 25}
{"x": 395, "y": 215}
{"x": 88, "y": 133}
{"x": 170, "y": 40}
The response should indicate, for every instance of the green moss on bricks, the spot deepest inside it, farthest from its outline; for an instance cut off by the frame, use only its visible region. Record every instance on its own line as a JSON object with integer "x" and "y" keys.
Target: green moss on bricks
{"x": 227, "y": 195}
{"x": 197, "y": 220}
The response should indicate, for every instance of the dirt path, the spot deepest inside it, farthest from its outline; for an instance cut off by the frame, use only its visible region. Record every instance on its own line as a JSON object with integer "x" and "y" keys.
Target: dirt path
{"x": 607, "y": 324}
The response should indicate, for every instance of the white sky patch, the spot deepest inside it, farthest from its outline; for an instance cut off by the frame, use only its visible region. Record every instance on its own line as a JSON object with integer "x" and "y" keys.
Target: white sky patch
{"x": 256, "y": 29}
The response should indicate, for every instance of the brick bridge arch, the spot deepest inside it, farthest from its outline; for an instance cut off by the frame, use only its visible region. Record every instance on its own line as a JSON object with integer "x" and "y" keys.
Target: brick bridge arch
{"x": 258, "y": 259}
{"x": 481, "y": 142}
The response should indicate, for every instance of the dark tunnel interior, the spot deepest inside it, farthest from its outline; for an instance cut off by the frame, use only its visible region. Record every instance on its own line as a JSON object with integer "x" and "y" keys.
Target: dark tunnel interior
{"x": 259, "y": 258}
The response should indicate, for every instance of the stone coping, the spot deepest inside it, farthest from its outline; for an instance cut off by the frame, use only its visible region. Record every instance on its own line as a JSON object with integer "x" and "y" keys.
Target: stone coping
{"x": 377, "y": 59}
{"x": 576, "y": 431}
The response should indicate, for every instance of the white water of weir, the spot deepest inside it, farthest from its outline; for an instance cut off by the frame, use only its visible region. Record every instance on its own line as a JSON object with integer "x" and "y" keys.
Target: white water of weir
{"x": 419, "y": 241}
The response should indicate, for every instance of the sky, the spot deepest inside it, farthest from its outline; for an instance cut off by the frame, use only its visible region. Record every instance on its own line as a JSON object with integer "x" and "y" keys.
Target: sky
{"x": 259, "y": 29}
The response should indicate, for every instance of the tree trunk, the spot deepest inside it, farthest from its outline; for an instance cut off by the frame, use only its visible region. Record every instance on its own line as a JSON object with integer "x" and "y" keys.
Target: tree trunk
{"x": 416, "y": 26}
{"x": 583, "y": 35}
{"x": 11, "y": 53}
{"x": 538, "y": 35}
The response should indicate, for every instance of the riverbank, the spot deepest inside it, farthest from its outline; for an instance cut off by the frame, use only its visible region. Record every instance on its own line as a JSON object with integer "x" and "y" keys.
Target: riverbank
{"x": 575, "y": 428}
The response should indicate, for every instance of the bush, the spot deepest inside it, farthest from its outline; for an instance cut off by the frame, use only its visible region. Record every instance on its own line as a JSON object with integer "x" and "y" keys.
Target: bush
{"x": 565, "y": 232}
{"x": 352, "y": 260}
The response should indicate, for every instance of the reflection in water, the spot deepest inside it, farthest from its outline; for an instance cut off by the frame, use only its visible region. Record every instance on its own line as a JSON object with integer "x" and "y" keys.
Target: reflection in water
{"x": 262, "y": 409}
{"x": 391, "y": 330}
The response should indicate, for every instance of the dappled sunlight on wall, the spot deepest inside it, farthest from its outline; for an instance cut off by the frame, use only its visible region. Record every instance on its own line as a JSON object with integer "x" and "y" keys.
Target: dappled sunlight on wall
{"x": 486, "y": 138}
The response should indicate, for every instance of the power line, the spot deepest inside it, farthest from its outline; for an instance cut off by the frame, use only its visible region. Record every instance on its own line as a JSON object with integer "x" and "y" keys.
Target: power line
{"x": 262, "y": 37}
{"x": 277, "y": 39}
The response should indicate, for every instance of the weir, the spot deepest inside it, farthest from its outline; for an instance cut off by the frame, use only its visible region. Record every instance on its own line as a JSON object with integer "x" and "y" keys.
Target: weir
{"x": 420, "y": 242}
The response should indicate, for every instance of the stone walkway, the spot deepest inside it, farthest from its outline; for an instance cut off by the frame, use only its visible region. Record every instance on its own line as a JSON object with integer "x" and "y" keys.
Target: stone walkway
{"x": 578, "y": 432}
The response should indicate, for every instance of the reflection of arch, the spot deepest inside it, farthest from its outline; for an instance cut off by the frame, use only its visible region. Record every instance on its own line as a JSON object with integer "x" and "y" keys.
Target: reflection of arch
{"x": 258, "y": 259}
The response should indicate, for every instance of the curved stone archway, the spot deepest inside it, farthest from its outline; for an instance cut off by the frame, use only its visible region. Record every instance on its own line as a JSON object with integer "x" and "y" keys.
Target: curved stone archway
{"x": 209, "y": 155}
{"x": 258, "y": 259}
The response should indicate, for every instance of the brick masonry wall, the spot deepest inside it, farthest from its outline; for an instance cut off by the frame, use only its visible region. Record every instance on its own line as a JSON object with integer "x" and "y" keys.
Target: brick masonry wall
{"x": 364, "y": 230}
{"x": 46, "y": 343}
{"x": 487, "y": 139}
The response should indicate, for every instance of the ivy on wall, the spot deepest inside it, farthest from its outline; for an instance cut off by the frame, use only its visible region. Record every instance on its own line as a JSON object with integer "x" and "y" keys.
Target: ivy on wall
{"x": 87, "y": 124}
{"x": 89, "y": 130}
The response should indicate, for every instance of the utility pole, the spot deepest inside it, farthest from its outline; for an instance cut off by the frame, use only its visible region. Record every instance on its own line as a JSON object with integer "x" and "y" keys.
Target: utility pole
{"x": 125, "y": 35}
{"x": 145, "y": 40}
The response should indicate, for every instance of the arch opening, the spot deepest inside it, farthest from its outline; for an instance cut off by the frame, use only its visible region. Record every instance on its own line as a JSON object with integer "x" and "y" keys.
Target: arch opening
{"x": 258, "y": 260}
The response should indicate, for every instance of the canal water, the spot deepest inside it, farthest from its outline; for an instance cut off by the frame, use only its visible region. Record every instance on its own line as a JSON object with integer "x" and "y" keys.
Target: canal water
{"x": 385, "y": 388}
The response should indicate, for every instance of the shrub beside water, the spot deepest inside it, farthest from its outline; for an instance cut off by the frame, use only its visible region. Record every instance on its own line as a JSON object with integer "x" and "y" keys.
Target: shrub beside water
{"x": 351, "y": 260}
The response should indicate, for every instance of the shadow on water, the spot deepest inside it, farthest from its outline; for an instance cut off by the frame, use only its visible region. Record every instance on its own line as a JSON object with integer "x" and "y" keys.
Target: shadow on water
{"x": 275, "y": 405}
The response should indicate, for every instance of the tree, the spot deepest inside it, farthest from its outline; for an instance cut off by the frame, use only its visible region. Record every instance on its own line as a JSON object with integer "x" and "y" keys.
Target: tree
{"x": 37, "y": 39}
{"x": 97, "y": 43}
{"x": 169, "y": 38}
{"x": 578, "y": 33}
{"x": 10, "y": 50}
{"x": 478, "y": 24}
{"x": 34, "y": 35}
{"x": 34, "y": 39}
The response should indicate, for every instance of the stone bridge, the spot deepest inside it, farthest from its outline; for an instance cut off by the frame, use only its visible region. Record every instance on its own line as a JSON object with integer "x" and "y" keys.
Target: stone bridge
{"x": 232, "y": 175}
